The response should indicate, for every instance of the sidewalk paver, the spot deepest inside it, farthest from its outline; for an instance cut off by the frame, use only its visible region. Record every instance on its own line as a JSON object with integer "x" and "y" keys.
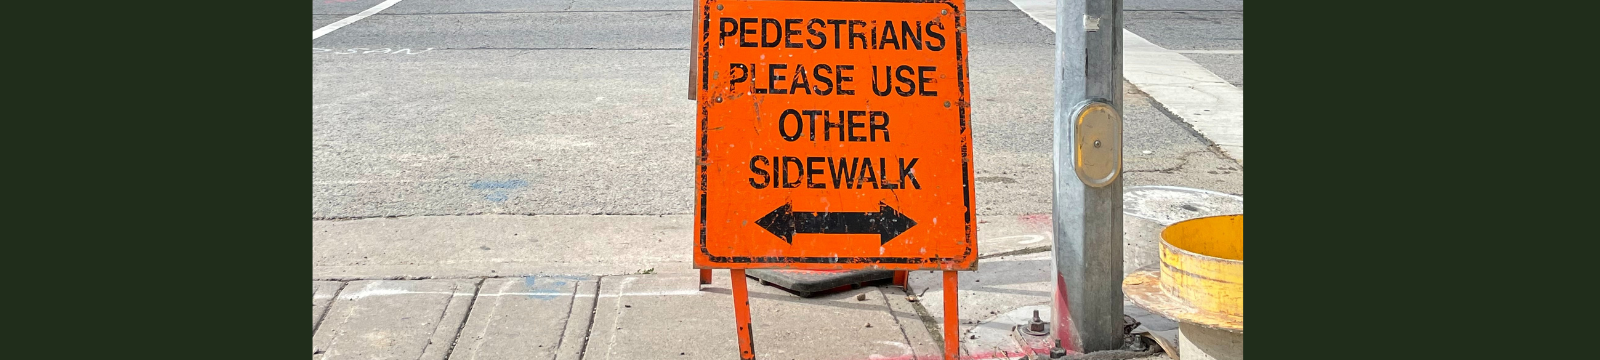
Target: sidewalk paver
{"x": 393, "y": 319}
{"x": 322, "y": 293}
{"x": 669, "y": 317}
{"x": 520, "y": 318}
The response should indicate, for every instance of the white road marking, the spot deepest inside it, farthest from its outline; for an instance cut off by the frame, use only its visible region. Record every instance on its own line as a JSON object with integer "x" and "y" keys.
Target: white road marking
{"x": 1214, "y": 107}
{"x": 388, "y": 292}
{"x": 1022, "y": 239}
{"x": 352, "y": 19}
{"x": 1219, "y": 52}
{"x": 349, "y": 182}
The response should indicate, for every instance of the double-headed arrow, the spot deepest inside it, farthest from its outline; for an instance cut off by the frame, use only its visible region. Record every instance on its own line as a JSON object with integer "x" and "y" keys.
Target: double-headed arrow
{"x": 785, "y": 222}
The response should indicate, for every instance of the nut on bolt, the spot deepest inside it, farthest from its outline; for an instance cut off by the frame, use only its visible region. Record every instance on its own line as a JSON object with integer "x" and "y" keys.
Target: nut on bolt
{"x": 1036, "y": 326}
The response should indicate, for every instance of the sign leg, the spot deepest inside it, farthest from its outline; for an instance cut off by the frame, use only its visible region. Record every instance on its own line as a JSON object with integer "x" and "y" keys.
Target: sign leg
{"x": 902, "y": 278}
{"x": 952, "y": 318}
{"x": 741, "y": 314}
{"x": 705, "y": 276}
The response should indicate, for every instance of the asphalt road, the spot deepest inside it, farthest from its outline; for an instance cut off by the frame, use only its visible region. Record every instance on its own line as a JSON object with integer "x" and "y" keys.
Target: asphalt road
{"x": 1210, "y": 32}
{"x": 577, "y": 107}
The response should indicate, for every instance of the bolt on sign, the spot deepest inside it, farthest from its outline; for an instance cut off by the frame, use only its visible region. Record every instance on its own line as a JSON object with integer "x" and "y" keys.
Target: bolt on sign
{"x": 833, "y": 135}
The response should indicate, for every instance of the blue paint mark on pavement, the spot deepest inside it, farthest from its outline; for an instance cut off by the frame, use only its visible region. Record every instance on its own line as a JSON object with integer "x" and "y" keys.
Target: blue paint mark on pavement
{"x": 551, "y": 286}
{"x": 498, "y": 191}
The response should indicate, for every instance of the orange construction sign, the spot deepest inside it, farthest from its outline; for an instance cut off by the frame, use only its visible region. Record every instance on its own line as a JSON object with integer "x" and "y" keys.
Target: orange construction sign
{"x": 833, "y": 135}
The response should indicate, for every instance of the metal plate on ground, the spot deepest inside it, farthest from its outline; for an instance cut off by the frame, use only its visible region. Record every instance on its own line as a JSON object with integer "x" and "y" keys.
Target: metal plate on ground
{"x": 807, "y": 283}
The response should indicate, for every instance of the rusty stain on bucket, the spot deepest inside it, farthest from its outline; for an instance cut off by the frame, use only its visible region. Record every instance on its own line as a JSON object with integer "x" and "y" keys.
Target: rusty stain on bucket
{"x": 1201, "y": 279}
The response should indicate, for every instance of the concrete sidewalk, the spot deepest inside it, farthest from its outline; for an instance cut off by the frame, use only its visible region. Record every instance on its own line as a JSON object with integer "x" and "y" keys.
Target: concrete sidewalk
{"x": 595, "y": 311}
{"x": 662, "y": 316}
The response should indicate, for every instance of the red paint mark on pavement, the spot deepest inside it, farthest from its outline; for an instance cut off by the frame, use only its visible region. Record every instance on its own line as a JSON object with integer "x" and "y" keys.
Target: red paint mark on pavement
{"x": 977, "y": 356}
{"x": 1036, "y": 221}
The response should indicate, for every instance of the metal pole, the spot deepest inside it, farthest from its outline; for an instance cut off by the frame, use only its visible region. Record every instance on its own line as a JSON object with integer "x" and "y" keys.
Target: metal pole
{"x": 1088, "y": 197}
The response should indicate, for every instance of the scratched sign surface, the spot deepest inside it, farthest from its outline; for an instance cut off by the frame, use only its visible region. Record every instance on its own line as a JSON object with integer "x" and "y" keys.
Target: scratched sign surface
{"x": 833, "y": 135}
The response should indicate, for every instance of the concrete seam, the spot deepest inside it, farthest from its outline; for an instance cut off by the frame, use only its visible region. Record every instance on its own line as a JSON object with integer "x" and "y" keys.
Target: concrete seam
{"x": 440, "y": 322}
{"x": 333, "y": 339}
{"x": 1183, "y": 162}
{"x": 928, "y": 322}
{"x": 570, "y": 305}
{"x": 327, "y": 308}
{"x": 478, "y": 289}
{"x": 1210, "y": 145}
{"x": 593, "y": 306}
{"x": 1024, "y": 251}
{"x": 484, "y": 335}
{"x": 897, "y": 323}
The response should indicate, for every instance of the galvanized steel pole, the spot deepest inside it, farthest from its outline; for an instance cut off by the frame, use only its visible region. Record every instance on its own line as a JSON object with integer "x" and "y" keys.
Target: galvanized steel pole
{"x": 1088, "y": 182}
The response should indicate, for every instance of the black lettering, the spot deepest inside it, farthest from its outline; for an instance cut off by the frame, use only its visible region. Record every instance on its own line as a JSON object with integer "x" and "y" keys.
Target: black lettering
{"x": 726, "y": 30}
{"x": 744, "y": 74}
{"x": 873, "y": 126}
{"x": 850, "y": 120}
{"x": 886, "y": 83}
{"x": 814, "y": 170}
{"x": 776, "y": 30}
{"x": 828, "y": 125}
{"x": 922, "y": 81}
{"x": 882, "y": 175}
{"x": 753, "y": 84}
{"x": 746, "y": 29}
{"x": 789, "y": 32}
{"x": 822, "y": 38}
{"x": 839, "y": 79}
{"x": 855, "y": 35}
{"x": 799, "y": 125}
{"x": 845, "y": 172}
{"x": 907, "y": 40}
{"x": 813, "y": 114}
{"x": 836, "y": 37}
{"x": 899, "y": 74}
{"x": 772, "y": 76}
{"x": 905, "y": 172}
{"x": 935, "y": 35}
{"x": 798, "y": 171}
{"x": 765, "y": 177}
{"x": 888, "y": 36}
{"x": 874, "y": 36}
{"x": 823, "y": 78}
{"x": 867, "y": 175}
{"x": 801, "y": 80}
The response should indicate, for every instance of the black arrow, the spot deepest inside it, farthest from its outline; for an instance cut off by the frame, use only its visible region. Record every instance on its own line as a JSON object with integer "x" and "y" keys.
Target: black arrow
{"x": 785, "y": 222}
